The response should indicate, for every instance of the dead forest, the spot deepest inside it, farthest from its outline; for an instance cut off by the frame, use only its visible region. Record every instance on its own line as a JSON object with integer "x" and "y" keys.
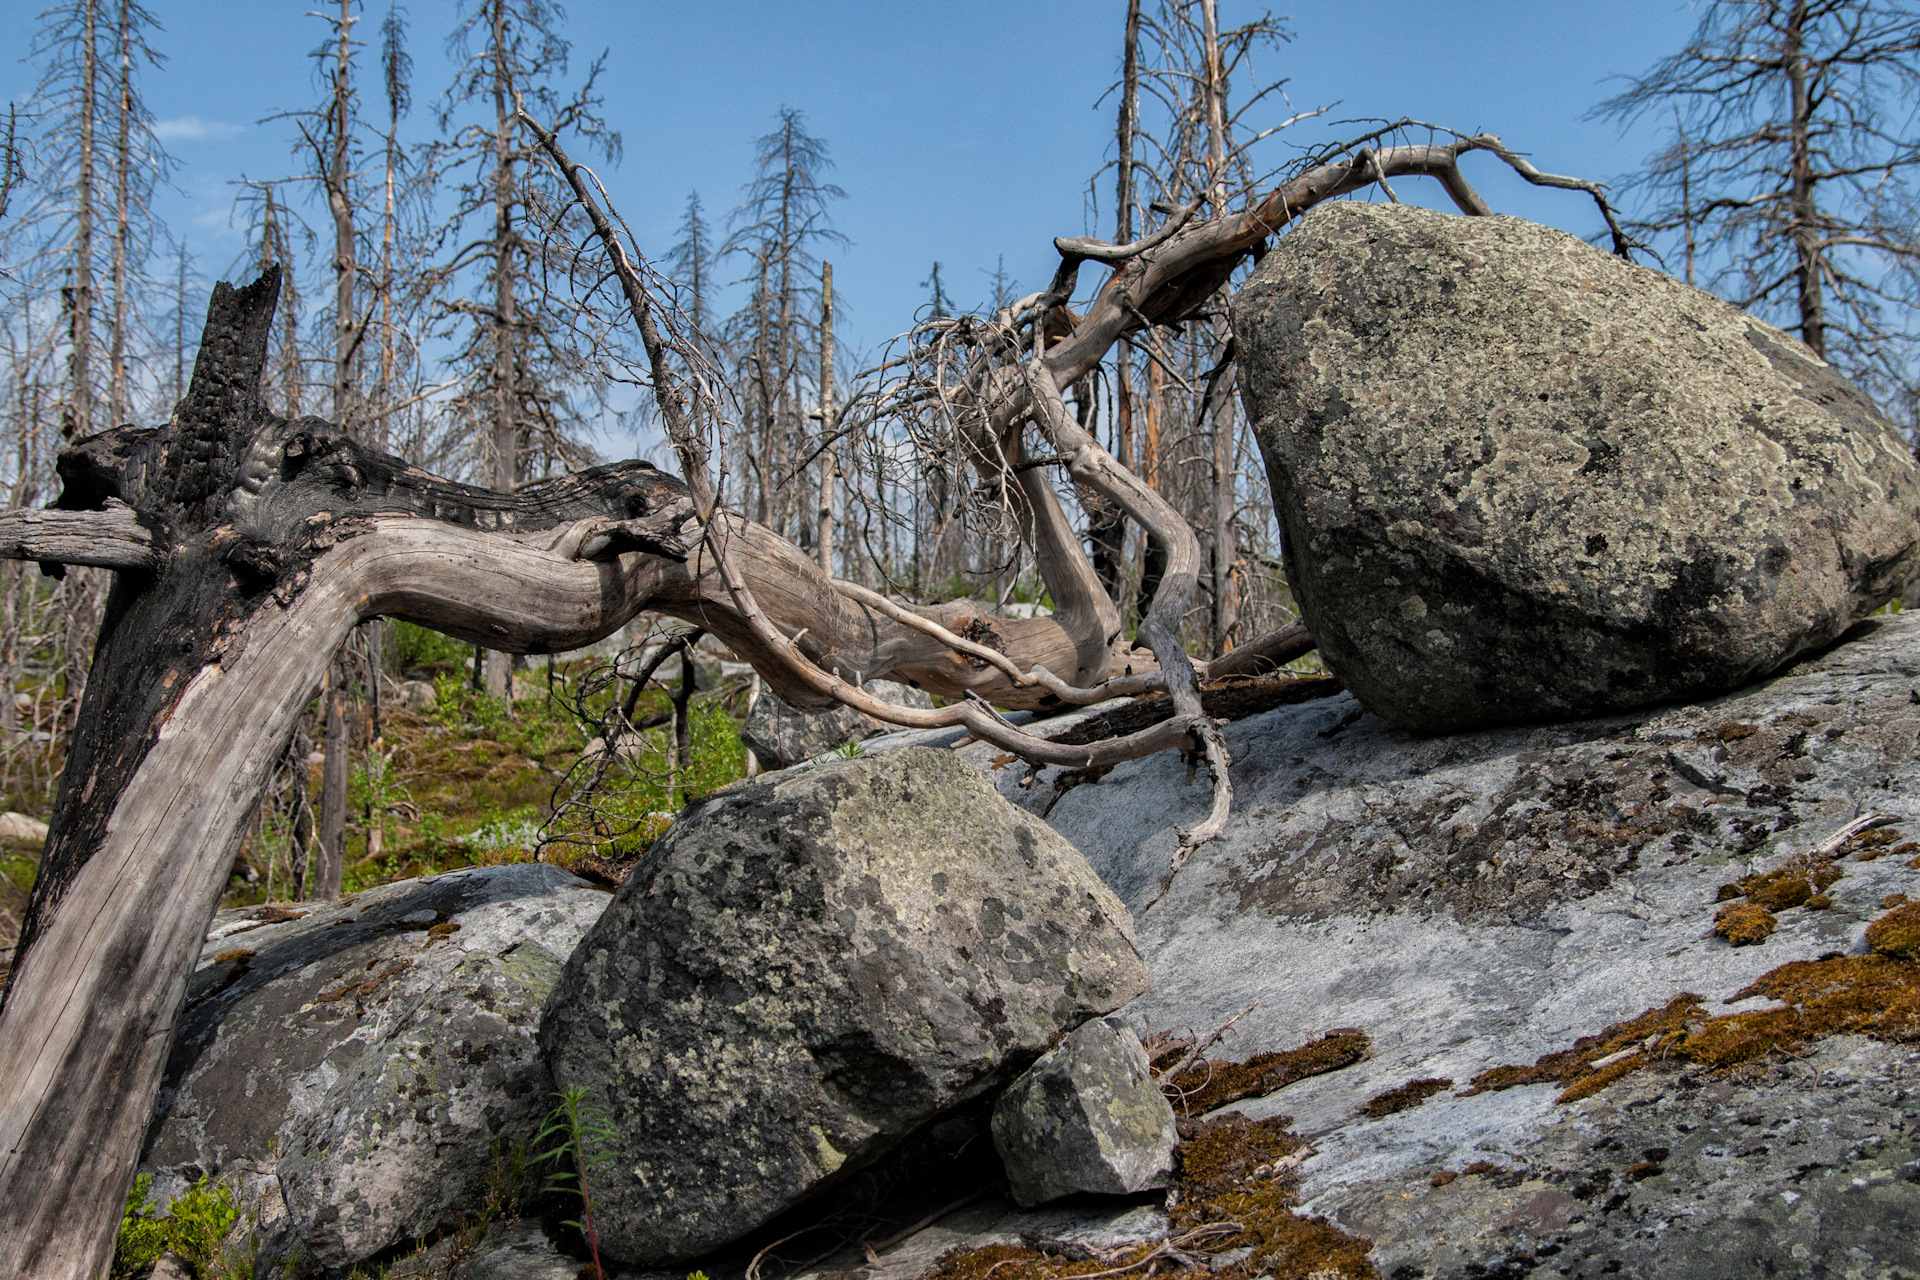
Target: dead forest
{"x": 279, "y": 548}
{"x": 440, "y": 300}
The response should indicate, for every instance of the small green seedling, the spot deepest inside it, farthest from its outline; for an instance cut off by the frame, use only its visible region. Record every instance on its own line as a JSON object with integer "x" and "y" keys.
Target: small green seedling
{"x": 581, "y": 1134}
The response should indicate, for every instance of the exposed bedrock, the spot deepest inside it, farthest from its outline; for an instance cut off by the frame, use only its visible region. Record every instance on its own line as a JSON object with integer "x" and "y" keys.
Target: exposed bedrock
{"x": 1519, "y": 479}
{"x": 810, "y": 967}
{"x": 1481, "y": 899}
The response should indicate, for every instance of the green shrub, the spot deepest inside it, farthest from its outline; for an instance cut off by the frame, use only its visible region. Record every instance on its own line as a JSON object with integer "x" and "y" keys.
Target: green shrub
{"x": 414, "y": 646}
{"x": 191, "y": 1228}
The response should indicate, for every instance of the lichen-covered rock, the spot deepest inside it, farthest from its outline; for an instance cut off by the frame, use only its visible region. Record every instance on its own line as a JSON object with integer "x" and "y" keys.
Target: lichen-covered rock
{"x": 781, "y": 737}
{"x": 367, "y": 1056}
{"x": 1086, "y": 1117}
{"x": 1480, "y": 900}
{"x": 1519, "y": 479}
{"x": 806, "y": 969}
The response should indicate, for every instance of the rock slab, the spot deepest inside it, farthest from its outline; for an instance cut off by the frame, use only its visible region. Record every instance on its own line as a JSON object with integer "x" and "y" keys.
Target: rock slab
{"x": 1086, "y": 1117}
{"x": 1480, "y": 899}
{"x": 356, "y": 1063}
{"x": 1520, "y": 479}
{"x": 808, "y": 968}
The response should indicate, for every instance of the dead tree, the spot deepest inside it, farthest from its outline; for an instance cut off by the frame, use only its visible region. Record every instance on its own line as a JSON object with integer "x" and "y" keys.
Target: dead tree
{"x": 247, "y": 545}
{"x": 1794, "y": 162}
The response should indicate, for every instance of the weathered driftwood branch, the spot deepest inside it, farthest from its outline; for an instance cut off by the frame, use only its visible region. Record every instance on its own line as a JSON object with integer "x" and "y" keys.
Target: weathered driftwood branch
{"x": 109, "y": 539}
{"x": 1083, "y": 612}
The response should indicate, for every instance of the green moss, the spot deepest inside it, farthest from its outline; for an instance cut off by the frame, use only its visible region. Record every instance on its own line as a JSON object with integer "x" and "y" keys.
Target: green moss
{"x": 191, "y": 1228}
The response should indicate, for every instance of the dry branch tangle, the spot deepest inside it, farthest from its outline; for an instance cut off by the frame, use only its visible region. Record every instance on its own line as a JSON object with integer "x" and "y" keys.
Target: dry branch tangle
{"x": 249, "y": 545}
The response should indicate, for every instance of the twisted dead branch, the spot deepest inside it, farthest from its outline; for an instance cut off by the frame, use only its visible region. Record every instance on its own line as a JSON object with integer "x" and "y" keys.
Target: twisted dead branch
{"x": 970, "y": 391}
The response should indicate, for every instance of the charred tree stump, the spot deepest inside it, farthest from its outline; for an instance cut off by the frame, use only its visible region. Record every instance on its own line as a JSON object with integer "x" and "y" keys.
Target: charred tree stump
{"x": 248, "y": 546}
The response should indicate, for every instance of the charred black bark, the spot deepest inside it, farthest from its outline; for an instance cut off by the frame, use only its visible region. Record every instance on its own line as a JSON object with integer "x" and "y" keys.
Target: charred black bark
{"x": 240, "y": 501}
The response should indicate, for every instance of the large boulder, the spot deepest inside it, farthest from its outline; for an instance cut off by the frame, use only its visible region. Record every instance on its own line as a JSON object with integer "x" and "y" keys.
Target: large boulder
{"x": 1480, "y": 900}
{"x": 1520, "y": 479}
{"x": 808, "y": 968}
{"x": 363, "y": 1066}
{"x": 780, "y": 736}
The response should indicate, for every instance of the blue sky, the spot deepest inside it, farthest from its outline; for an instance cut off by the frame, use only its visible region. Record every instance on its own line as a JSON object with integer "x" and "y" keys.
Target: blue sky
{"x": 961, "y": 132}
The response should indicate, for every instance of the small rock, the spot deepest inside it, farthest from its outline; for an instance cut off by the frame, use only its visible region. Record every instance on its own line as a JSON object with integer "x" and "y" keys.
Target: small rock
{"x": 414, "y": 695}
{"x": 808, "y": 968}
{"x": 519, "y": 1251}
{"x": 781, "y": 737}
{"x": 1086, "y": 1117}
{"x": 18, "y": 826}
{"x": 628, "y": 748}
{"x": 170, "y": 1268}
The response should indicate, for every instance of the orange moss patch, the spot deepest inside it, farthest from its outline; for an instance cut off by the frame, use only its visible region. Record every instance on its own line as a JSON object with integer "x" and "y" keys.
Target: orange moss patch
{"x": 1207, "y": 1085}
{"x": 1744, "y": 923}
{"x": 1410, "y": 1094}
{"x": 1598, "y": 1060}
{"x": 1897, "y": 933}
{"x": 1874, "y": 995}
{"x": 1873, "y": 844}
{"x": 1235, "y": 1188}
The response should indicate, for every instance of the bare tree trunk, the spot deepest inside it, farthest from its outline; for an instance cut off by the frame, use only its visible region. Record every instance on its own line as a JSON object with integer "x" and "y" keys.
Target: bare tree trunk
{"x": 337, "y": 180}
{"x": 122, "y": 219}
{"x": 1805, "y": 224}
{"x": 1107, "y": 527}
{"x": 683, "y": 722}
{"x": 499, "y": 666}
{"x": 331, "y": 864}
{"x": 80, "y": 291}
{"x": 829, "y": 423}
{"x": 1224, "y": 613}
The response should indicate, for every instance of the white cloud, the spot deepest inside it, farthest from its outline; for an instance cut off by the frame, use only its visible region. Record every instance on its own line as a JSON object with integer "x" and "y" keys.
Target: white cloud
{"x": 194, "y": 129}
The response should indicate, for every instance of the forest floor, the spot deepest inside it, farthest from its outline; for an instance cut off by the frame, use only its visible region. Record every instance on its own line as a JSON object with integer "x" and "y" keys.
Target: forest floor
{"x": 469, "y": 780}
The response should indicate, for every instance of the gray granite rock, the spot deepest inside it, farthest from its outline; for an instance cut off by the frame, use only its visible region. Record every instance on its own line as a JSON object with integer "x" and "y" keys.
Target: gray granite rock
{"x": 781, "y": 737}
{"x": 359, "y": 1068}
{"x": 809, "y": 967}
{"x": 1086, "y": 1117}
{"x": 1485, "y": 898}
{"x": 1519, "y": 479}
